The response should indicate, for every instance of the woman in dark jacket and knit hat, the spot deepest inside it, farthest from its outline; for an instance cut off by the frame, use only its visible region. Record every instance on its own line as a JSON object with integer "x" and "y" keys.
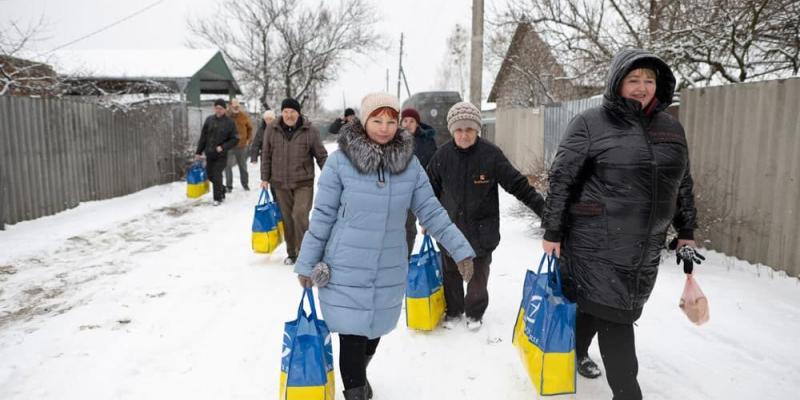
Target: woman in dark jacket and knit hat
{"x": 619, "y": 179}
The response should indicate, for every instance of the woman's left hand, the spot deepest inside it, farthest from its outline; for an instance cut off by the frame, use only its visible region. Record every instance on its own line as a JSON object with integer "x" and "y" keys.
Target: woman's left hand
{"x": 305, "y": 281}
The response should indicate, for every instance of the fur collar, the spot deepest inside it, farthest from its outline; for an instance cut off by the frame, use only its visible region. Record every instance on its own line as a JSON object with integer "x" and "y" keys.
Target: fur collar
{"x": 366, "y": 155}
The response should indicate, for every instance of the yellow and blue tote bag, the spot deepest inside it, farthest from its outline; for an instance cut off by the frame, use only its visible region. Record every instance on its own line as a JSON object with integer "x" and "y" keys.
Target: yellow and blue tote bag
{"x": 424, "y": 291}
{"x": 544, "y": 333}
{"x": 267, "y": 225}
{"x": 196, "y": 181}
{"x": 307, "y": 356}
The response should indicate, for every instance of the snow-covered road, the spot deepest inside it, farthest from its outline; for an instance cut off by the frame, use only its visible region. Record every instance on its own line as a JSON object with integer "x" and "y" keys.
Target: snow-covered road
{"x": 154, "y": 296}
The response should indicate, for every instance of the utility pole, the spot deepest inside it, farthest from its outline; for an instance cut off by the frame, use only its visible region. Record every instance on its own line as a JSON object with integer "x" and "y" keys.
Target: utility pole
{"x": 476, "y": 58}
{"x": 400, "y": 67}
{"x": 387, "y": 80}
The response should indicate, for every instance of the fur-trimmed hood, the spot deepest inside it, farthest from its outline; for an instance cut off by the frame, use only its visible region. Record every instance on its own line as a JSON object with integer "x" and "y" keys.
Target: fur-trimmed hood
{"x": 367, "y": 156}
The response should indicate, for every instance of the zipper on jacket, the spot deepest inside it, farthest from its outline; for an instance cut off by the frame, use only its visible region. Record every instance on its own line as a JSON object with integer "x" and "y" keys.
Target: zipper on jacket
{"x": 653, "y": 200}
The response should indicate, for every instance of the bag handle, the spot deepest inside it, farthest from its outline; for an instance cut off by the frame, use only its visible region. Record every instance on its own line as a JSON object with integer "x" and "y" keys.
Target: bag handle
{"x": 552, "y": 264}
{"x": 264, "y": 197}
{"x": 301, "y": 312}
{"x": 427, "y": 243}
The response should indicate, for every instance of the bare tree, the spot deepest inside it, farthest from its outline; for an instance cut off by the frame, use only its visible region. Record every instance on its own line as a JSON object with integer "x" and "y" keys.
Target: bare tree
{"x": 244, "y": 32}
{"x": 734, "y": 40}
{"x": 18, "y": 76}
{"x": 454, "y": 71}
{"x": 288, "y": 48}
{"x": 704, "y": 40}
{"x": 15, "y": 36}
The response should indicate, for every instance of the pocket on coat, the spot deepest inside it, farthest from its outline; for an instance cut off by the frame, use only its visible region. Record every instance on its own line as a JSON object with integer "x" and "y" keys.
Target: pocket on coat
{"x": 588, "y": 226}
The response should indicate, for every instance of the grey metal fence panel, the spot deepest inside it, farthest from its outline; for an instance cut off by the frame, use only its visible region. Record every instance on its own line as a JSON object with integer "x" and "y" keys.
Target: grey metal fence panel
{"x": 57, "y": 153}
{"x": 556, "y": 119}
{"x": 744, "y": 145}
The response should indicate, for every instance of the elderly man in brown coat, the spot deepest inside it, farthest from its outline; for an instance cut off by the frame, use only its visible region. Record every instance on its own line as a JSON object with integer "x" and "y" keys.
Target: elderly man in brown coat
{"x": 291, "y": 144}
{"x": 238, "y": 155}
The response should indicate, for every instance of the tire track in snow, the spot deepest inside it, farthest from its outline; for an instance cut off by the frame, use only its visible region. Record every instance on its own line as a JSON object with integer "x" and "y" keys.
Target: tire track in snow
{"x": 44, "y": 285}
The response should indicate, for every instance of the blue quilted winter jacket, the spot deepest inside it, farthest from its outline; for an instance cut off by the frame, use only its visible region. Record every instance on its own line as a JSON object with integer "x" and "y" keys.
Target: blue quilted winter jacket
{"x": 358, "y": 229}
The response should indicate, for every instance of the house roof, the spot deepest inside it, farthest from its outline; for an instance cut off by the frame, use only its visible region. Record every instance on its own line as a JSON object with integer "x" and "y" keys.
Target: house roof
{"x": 131, "y": 64}
{"x": 517, "y": 41}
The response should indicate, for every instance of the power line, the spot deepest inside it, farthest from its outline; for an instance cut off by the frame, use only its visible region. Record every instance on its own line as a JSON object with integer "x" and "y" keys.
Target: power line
{"x": 105, "y": 27}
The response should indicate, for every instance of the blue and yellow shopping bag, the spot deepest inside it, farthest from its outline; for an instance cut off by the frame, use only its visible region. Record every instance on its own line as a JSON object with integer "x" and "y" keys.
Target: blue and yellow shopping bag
{"x": 424, "y": 291}
{"x": 544, "y": 333}
{"x": 307, "y": 356}
{"x": 267, "y": 225}
{"x": 196, "y": 181}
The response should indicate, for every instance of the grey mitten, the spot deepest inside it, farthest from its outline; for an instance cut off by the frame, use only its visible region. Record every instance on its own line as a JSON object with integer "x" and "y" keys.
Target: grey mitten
{"x": 466, "y": 268}
{"x": 321, "y": 274}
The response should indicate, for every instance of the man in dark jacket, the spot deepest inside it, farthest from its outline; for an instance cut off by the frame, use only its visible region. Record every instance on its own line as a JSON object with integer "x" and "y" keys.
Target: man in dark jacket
{"x": 424, "y": 147}
{"x": 290, "y": 147}
{"x": 465, "y": 173}
{"x": 620, "y": 177}
{"x": 338, "y": 123}
{"x": 218, "y": 136}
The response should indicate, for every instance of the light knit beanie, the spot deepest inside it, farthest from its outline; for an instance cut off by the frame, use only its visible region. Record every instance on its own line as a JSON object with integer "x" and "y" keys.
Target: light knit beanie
{"x": 374, "y": 101}
{"x": 463, "y": 115}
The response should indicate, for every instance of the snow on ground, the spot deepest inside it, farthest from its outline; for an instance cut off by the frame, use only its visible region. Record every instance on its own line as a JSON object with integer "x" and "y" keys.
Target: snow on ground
{"x": 155, "y": 296}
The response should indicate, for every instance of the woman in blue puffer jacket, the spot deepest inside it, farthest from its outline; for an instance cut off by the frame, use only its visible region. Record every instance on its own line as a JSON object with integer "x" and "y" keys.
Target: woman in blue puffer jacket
{"x": 357, "y": 230}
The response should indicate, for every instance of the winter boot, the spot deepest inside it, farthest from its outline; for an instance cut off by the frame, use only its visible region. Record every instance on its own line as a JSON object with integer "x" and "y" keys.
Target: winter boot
{"x": 587, "y": 368}
{"x": 450, "y": 321}
{"x": 359, "y": 393}
{"x": 474, "y": 324}
{"x": 369, "y": 387}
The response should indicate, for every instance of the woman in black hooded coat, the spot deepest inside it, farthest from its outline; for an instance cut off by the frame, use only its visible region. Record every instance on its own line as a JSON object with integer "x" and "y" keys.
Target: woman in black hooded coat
{"x": 619, "y": 179}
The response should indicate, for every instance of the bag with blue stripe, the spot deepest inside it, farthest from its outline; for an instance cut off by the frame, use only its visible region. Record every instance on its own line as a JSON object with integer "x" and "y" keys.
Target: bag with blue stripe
{"x": 424, "y": 290}
{"x": 544, "y": 333}
{"x": 267, "y": 225}
{"x": 307, "y": 356}
{"x": 196, "y": 181}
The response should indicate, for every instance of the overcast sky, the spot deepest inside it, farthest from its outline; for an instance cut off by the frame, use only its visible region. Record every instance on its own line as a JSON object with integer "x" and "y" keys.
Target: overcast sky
{"x": 426, "y": 24}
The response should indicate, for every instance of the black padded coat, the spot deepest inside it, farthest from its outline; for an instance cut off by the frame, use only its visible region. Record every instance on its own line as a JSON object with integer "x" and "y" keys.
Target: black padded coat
{"x": 619, "y": 179}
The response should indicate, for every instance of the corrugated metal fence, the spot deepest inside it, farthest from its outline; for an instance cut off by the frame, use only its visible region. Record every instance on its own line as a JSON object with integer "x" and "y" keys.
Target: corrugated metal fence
{"x": 57, "y": 153}
{"x": 556, "y": 119}
{"x": 745, "y": 153}
{"x": 519, "y": 135}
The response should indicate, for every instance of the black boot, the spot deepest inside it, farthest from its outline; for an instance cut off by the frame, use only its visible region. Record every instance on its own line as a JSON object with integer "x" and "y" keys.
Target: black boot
{"x": 369, "y": 387}
{"x": 359, "y": 393}
{"x": 588, "y": 368}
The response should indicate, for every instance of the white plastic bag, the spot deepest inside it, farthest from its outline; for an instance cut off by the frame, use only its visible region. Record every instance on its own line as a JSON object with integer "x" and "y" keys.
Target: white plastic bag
{"x": 693, "y": 302}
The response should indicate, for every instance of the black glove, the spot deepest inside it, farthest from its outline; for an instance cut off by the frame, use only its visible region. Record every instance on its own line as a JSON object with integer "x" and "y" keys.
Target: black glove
{"x": 689, "y": 256}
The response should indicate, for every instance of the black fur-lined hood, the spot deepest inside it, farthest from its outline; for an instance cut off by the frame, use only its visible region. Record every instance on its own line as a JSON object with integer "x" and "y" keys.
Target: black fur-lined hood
{"x": 368, "y": 156}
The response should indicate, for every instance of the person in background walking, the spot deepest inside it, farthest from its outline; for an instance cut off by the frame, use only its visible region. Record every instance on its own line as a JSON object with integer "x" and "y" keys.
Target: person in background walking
{"x": 365, "y": 191}
{"x": 465, "y": 173}
{"x": 424, "y": 147}
{"x": 255, "y": 148}
{"x": 218, "y": 136}
{"x": 338, "y": 123}
{"x": 290, "y": 147}
{"x": 238, "y": 155}
{"x": 620, "y": 177}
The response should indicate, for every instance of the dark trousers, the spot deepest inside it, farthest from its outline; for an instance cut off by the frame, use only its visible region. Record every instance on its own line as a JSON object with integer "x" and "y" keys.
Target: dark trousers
{"x": 477, "y": 299}
{"x": 295, "y": 206}
{"x": 214, "y": 170}
{"x": 236, "y": 156}
{"x": 353, "y": 353}
{"x": 411, "y": 232}
{"x": 618, "y": 350}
